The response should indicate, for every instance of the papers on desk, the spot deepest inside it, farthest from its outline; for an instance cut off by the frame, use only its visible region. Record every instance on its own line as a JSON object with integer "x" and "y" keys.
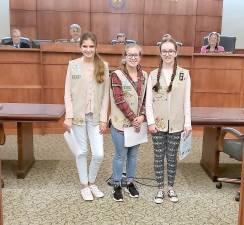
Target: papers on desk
{"x": 132, "y": 138}
{"x": 185, "y": 145}
{"x": 72, "y": 143}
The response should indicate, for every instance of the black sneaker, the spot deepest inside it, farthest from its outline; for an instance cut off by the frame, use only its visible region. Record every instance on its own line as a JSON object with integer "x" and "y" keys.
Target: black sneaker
{"x": 117, "y": 194}
{"x": 131, "y": 189}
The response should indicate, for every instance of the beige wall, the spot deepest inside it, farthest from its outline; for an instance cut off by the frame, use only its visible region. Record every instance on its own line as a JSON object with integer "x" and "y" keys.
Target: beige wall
{"x": 232, "y": 20}
{"x": 4, "y": 18}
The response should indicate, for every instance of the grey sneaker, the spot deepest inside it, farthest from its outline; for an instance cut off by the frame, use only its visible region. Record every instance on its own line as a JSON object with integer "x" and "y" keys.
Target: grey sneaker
{"x": 172, "y": 196}
{"x": 159, "y": 197}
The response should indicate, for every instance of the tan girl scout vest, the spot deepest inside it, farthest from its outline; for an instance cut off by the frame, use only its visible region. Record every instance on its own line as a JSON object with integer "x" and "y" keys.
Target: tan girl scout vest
{"x": 171, "y": 120}
{"x": 118, "y": 119}
{"x": 79, "y": 90}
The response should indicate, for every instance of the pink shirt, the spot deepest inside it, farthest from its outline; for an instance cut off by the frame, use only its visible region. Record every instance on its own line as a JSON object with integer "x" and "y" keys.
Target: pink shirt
{"x": 205, "y": 49}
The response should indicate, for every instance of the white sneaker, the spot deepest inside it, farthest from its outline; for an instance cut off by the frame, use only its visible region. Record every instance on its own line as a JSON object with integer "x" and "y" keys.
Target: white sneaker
{"x": 159, "y": 197}
{"x": 172, "y": 196}
{"x": 95, "y": 191}
{"x": 86, "y": 194}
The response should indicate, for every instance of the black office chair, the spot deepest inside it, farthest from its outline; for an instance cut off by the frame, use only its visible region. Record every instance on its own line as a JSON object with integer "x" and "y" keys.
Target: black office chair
{"x": 37, "y": 43}
{"x": 228, "y": 42}
{"x": 5, "y": 40}
{"x": 232, "y": 147}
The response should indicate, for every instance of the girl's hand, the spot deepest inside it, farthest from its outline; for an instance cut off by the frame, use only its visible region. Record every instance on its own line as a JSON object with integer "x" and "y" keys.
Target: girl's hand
{"x": 68, "y": 124}
{"x": 187, "y": 130}
{"x": 102, "y": 127}
{"x": 138, "y": 121}
{"x": 152, "y": 129}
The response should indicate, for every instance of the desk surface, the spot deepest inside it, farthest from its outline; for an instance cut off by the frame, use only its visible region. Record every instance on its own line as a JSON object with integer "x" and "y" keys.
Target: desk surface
{"x": 218, "y": 116}
{"x": 31, "y": 112}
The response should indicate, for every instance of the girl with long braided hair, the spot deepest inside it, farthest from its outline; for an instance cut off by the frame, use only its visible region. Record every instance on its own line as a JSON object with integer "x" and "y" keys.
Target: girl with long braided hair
{"x": 168, "y": 112}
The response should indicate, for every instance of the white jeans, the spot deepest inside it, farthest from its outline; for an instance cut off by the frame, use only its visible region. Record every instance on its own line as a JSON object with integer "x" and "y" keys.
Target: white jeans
{"x": 82, "y": 133}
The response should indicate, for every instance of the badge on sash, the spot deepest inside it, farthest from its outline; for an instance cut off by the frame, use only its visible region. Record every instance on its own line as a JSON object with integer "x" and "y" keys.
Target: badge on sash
{"x": 181, "y": 76}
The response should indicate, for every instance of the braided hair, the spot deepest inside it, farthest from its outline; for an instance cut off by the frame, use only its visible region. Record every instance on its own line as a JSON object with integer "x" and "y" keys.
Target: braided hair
{"x": 166, "y": 38}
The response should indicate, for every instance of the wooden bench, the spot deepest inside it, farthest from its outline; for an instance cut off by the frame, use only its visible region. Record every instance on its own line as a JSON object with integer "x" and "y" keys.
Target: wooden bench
{"x": 24, "y": 115}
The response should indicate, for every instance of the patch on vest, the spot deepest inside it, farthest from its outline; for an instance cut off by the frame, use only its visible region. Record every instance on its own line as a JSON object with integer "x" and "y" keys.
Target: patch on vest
{"x": 161, "y": 94}
{"x": 126, "y": 92}
{"x": 75, "y": 77}
{"x": 78, "y": 121}
{"x": 160, "y": 123}
{"x": 181, "y": 76}
{"x": 126, "y": 123}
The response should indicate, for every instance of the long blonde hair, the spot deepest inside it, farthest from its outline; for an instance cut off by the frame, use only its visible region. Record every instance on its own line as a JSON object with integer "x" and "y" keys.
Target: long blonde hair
{"x": 98, "y": 62}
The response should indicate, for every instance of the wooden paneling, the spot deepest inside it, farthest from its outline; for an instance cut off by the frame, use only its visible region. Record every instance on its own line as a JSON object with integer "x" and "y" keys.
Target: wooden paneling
{"x": 215, "y": 100}
{"x": 242, "y": 101}
{"x": 181, "y": 27}
{"x": 50, "y": 58}
{"x": 182, "y": 7}
{"x": 135, "y": 6}
{"x": 53, "y": 95}
{"x": 13, "y": 55}
{"x": 23, "y": 18}
{"x": 142, "y": 20}
{"x": 51, "y": 79}
{"x": 64, "y": 5}
{"x": 216, "y": 80}
{"x": 22, "y": 4}
{"x": 131, "y": 24}
{"x": 207, "y": 23}
{"x": 19, "y": 74}
{"x": 185, "y": 62}
{"x": 55, "y": 25}
{"x": 26, "y": 94}
{"x": 219, "y": 61}
{"x": 210, "y": 7}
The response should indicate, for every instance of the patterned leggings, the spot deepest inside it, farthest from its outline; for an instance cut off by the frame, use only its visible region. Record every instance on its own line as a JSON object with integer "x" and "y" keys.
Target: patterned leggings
{"x": 165, "y": 143}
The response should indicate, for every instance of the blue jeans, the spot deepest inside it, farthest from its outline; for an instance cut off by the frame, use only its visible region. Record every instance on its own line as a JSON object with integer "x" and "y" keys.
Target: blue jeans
{"x": 121, "y": 153}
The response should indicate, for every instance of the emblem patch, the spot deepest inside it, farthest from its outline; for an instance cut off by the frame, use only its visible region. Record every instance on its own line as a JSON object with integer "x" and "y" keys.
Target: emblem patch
{"x": 117, "y": 4}
{"x": 181, "y": 77}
